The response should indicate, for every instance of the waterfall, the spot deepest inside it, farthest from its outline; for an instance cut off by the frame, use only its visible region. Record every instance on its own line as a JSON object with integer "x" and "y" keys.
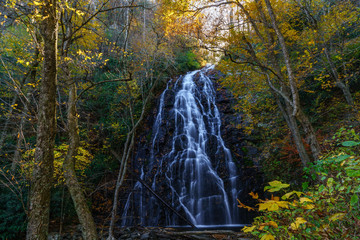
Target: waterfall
{"x": 195, "y": 172}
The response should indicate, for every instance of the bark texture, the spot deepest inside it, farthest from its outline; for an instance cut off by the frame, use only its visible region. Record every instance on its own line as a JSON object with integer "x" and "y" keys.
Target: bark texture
{"x": 44, "y": 154}
{"x": 294, "y": 129}
{"x": 75, "y": 189}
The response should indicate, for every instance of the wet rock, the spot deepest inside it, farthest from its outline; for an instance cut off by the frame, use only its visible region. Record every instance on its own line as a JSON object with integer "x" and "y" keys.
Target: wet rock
{"x": 243, "y": 154}
{"x": 145, "y": 236}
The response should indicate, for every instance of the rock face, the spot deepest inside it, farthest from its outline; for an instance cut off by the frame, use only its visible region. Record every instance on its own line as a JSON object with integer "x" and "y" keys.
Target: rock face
{"x": 190, "y": 154}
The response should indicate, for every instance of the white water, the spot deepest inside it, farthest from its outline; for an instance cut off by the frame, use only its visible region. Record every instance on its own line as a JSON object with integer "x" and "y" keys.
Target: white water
{"x": 194, "y": 185}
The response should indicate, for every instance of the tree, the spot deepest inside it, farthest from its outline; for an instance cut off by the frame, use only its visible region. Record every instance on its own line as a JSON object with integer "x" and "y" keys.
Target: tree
{"x": 330, "y": 31}
{"x": 264, "y": 48}
{"x": 41, "y": 183}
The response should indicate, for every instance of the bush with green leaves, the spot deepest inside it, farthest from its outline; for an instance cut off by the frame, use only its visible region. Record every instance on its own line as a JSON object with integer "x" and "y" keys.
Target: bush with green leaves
{"x": 186, "y": 61}
{"x": 329, "y": 210}
{"x": 13, "y": 203}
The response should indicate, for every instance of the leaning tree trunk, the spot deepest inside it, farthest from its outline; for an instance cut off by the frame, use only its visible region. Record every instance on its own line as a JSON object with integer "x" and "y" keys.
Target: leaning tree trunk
{"x": 291, "y": 105}
{"x": 125, "y": 157}
{"x": 344, "y": 87}
{"x": 41, "y": 183}
{"x": 294, "y": 129}
{"x": 76, "y": 191}
{"x": 346, "y": 91}
{"x": 285, "y": 53}
{"x": 309, "y": 133}
{"x": 297, "y": 112}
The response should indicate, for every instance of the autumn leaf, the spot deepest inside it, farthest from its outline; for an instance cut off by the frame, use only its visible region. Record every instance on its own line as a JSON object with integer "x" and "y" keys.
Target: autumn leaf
{"x": 288, "y": 195}
{"x": 299, "y": 220}
{"x": 304, "y": 199}
{"x": 241, "y": 205}
{"x": 267, "y": 236}
{"x": 276, "y": 186}
{"x": 270, "y": 223}
{"x": 248, "y": 229}
{"x": 337, "y": 216}
{"x": 254, "y": 195}
{"x": 272, "y": 205}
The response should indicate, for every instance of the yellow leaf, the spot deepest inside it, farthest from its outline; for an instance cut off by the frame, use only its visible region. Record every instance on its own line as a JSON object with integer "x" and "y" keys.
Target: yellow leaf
{"x": 299, "y": 220}
{"x": 304, "y": 199}
{"x": 272, "y": 205}
{"x": 267, "y": 236}
{"x": 308, "y": 206}
{"x": 283, "y": 204}
{"x": 288, "y": 195}
{"x": 248, "y": 229}
{"x": 254, "y": 195}
{"x": 337, "y": 216}
{"x": 274, "y": 224}
{"x": 275, "y": 198}
{"x": 275, "y": 186}
{"x": 270, "y": 223}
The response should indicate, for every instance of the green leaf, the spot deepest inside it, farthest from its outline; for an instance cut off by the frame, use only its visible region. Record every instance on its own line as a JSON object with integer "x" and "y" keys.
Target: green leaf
{"x": 350, "y": 143}
{"x": 354, "y": 199}
{"x": 341, "y": 158}
{"x": 276, "y": 186}
{"x": 353, "y": 173}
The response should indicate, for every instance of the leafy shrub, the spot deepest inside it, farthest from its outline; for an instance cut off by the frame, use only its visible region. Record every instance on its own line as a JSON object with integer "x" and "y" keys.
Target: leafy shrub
{"x": 186, "y": 61}
{"x": 329, "y": 210}
{"x": 83, "y": 160}
{"x": 12, "y": 216}
{"x": 13, "y": 202}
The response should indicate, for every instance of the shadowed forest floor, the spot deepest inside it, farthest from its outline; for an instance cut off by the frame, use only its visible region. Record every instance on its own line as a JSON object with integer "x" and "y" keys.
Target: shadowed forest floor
{"x": 171, "y": 233}
{"x": 147, "y": 233}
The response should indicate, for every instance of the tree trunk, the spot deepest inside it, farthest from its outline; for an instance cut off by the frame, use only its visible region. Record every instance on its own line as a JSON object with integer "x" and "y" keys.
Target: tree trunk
{"x": 122, "y": 171}
{"x": 310, "y": 134}
{"x": 292, "y": 82}
{"x": 346, "y": 91}
{"x": 125, "y": 156}
{"x": 123, "y": 166}
{"x": 76, "y": 192}
{"x": 42, "y": 175}
{"x": 344, "y": 87}
{"x": 295, "y": 104}
{"x": 294, "y": 129}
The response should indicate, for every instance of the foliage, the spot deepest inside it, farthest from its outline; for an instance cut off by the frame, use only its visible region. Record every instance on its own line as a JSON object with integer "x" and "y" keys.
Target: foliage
{"x": 329, "y": 210}
{"x": 112, "y": 43}
{"x": 12, "y": 215}
{"x": 83, "y": 160}
{"x": 186, "y": 61}
{"x": 13, "y": 200}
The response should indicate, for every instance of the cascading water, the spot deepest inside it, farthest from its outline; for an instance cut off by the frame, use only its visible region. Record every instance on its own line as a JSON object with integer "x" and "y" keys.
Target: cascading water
{"x": 196, "y": 175}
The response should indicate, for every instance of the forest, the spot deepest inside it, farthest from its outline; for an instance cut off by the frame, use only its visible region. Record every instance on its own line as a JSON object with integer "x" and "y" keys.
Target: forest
{"x": 85, "y": 84}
